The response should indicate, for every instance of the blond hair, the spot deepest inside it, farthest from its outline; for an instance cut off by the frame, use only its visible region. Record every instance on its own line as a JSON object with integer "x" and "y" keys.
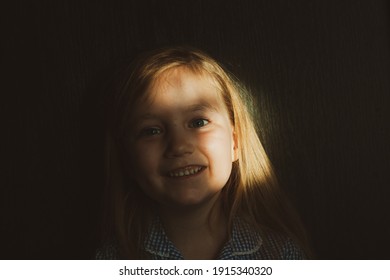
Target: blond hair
{"x": 252, "y": 191}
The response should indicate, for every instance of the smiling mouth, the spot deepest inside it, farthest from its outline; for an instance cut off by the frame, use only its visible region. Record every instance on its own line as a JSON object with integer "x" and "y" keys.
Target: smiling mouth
{"x": 186, "y": 171}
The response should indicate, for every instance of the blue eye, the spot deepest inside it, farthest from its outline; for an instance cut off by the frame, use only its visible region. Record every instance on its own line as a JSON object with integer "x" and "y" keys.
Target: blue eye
{"x": 198, "y": 123}
{"x": 151, "y": 131}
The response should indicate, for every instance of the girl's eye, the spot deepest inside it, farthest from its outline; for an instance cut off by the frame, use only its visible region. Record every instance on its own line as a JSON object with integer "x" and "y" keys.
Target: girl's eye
{"x": 150, "y": 131}
{"x": 198, "y": 123}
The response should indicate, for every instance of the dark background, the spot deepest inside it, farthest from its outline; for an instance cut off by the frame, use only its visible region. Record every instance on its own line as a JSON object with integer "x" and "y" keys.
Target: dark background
{"x": 319, "y": 69}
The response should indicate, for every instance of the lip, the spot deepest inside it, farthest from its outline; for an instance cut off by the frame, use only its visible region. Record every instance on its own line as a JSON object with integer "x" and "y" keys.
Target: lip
{"x": 187, "y": 167}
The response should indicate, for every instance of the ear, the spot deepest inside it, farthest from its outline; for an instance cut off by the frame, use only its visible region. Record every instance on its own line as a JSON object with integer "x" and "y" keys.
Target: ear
{"x": 234, "y": 147}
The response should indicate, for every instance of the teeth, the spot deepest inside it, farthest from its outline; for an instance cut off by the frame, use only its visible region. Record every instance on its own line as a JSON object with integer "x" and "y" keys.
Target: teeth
{"x": 186, "y": 172}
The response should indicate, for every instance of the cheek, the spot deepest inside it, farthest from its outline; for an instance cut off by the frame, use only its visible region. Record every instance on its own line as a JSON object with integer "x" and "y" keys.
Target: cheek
{"x": 143, "y": 161}
{"x": 142, "y": 168}
{"x": 218, "y": 147}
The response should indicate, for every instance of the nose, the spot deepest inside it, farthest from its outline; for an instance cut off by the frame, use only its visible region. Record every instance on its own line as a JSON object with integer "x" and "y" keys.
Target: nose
{"x": 178, "y": 144}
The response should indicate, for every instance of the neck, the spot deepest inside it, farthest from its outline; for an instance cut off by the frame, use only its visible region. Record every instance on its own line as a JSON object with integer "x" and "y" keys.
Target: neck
{"x": 198, "y": 232}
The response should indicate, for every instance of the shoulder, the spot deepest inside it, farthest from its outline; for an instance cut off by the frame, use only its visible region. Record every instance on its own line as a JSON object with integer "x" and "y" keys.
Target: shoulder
{"x": 109, "y": 251}
{"x": 249, "y": 243}
{"x": 281, "y": 247}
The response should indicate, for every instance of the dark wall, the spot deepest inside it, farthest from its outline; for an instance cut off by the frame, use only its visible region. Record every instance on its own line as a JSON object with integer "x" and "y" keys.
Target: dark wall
{"x": 319, "y": 69}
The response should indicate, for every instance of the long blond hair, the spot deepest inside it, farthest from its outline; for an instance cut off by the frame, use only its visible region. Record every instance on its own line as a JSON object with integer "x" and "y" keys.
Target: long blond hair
{"x": 252, "y": 191}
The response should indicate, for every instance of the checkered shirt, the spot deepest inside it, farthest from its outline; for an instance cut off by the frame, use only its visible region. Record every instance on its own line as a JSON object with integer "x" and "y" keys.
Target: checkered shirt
{"x": 245, "y": 244}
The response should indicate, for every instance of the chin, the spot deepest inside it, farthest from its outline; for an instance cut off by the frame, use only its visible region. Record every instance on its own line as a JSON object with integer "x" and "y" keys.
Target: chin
{"x": 192, "y": 202}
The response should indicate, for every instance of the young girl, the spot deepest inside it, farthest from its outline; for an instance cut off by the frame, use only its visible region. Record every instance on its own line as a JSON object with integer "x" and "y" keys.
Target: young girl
{"x": 187, "y": 175}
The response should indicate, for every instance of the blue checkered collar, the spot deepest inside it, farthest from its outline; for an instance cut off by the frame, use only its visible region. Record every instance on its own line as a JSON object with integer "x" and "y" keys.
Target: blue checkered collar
{"x": 244, "y": 241}
{"x": 158, "y": 245}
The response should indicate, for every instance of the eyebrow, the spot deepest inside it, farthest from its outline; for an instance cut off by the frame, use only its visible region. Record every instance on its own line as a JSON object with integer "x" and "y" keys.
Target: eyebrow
{"x": 148, "y": 116}
{"x": 193, "y": 108}
{"x": 201, "y": 107}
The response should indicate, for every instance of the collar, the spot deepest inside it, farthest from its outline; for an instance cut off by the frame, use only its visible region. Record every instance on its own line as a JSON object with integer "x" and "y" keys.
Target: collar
{"x": 244, "y": 241}
{"x": 158, "y": 245}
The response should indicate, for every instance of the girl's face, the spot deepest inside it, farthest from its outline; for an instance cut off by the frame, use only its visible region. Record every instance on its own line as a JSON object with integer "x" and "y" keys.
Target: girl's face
{"x": 182, "y": 143}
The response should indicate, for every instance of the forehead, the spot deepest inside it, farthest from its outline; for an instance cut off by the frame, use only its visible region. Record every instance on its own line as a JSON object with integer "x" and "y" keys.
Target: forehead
{"x": 181, "y": 88}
